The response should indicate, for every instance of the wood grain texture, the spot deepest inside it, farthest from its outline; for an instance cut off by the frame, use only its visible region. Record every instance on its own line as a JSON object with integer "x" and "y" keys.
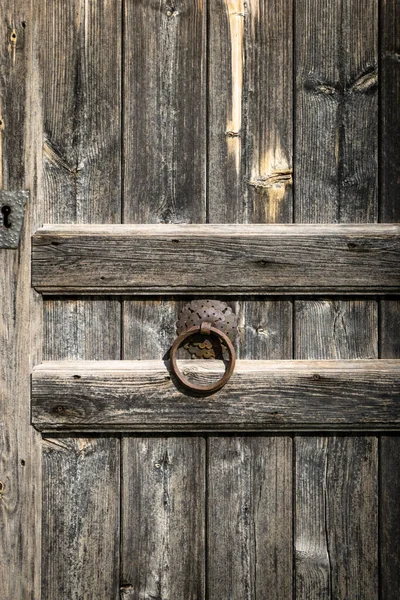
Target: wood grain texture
{"x": 79, "y": 68}
{"x": 250, "y": 180}
{"x": 20, "y": 310}
{"x": 336, "y": 530}
{"x": 265, "y": 329}
{"x": 389, "y": 308}
{"x": 336, "y": 111}
{"x": 140, "y": 395}
{"x": 390, "y": 112}
{"x": 164, "y": 111}
{"x": 224, "y": 258}
{"x": 336, "y": 329}
{"x": 336, "y": 155}
{"x": 389, "y": 516}
{"x": 80, "y": 518}
{"x": 336, "y": 518}
{"x": 250, "y": 518}
{"x": 164, "y": 167}
{"x": 82, "y": 329}
{"x": 163, "y": 517}
{"x": 250, "y": 111}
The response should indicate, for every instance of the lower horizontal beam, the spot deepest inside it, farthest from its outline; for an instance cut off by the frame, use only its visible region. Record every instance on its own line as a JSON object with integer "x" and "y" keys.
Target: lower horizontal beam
{"x": 217, "y": 259}
{"x": 271, "y": 395}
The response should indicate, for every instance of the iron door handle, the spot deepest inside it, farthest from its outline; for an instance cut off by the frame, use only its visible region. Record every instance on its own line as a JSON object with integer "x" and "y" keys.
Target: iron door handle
{"x": 209, "y": 318}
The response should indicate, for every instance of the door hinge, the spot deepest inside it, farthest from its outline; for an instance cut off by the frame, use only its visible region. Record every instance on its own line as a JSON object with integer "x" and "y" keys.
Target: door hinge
{"x": 12, "y": 209}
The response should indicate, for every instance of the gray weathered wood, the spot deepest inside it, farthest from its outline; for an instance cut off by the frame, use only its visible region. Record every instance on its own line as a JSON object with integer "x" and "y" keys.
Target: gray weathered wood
{"x": 20, "y": 310}
{"x": 250, "y": 111}
{"x": 336, "y": 329}
{"x": 164, "y": 110}
{"x": 217, "y": 258}
{"x": 163, "y": 518}
{"x": 389, "y": 516}
{"x": 140, "y": 395}
{"x": 336, "y": 518}
{"x": 80, "y": 518}
{"x": 390, "y": 112}
{"x": 249, "y": 180}
{"x": 390, "y": 309}
{"x": 164, "y": 160}
{"x": 335, "y": 159}
{"x": 336, "y": 111}
{"x": 250, "y": 518}
{"x": 79, "y": 68}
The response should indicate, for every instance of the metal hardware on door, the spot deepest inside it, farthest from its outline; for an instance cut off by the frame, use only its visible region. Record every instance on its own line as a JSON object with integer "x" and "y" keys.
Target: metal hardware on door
{"x": 12, "y": 205}
{"x": 201, "y": 323}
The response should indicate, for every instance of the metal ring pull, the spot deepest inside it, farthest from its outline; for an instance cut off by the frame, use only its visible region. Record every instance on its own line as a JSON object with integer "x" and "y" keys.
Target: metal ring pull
{"x": 204, "y": 328}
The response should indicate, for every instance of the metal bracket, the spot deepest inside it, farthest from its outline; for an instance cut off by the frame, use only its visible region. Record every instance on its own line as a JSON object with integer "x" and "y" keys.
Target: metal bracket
{"x": 214, "y": 312}
{"x": 12, "y": 208}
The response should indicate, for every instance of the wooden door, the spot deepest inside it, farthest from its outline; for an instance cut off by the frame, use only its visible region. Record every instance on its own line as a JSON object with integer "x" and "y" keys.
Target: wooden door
{"x": 244, "y": 151}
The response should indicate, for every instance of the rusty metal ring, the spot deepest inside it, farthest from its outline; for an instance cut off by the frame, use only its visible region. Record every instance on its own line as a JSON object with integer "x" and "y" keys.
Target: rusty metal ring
{"x": 205, "y": 329}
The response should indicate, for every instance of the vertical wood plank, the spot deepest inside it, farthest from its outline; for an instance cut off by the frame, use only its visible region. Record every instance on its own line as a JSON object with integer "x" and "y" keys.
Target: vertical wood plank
{"x": 81, "y": 178}
{"x": 250, "y": 518}
{"x": 149, "y": 327}
{"x": 79, "y": 58}
{"x": 80, "y": 329}
{"x": 265, "y": 331}
{"x": 164, "y": 143}
{"x": 250, "y": 111}
{"x": 164, "y": 111}
{"x": 163, "y": 503}
{"x": 389, "y": 516}
{"x": 336, "y": 181}
{"x": 20, "y": 325}
{"x": 336, "y": 329}
{"x": 164, "y": 166}
{"x": 250, "y": 180}
{"x": 390, "y": 112}
{"x": 389, "y": 308}
{"x": 81, "y": 510}
{"x": 336, "y": 111}
{"x": 336, "y": 518}
{"x": 336, "y": 545}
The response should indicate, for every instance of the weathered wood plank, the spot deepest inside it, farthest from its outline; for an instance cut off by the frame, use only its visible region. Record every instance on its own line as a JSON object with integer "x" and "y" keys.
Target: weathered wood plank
{"x": 336, "y": 518}
{"x": 139, "y": 395}
{"x": 336, "y": 159}
{"x": 333, "y": 558}
{"x": 265, "y": 329}
{"x": 249, "y": 180}
{"x": 389, "y": 517}
{"x": 390, "y": 113}
{"x": 390, "y": 309}
{"x": 336, "y": 329}
{"x": 164, "y": 111}
{"x": 164, "y": 165}
{"x": 250, "y": 517}
{"x": 217, "y": 258}
{"x": 80, "y": 518}
{"x": 163, "y": 518}
{"x": 336, "y": 111}
{"x": 81, "y": 329}
{"x": 79, "y": 65}
{"x": 250, "y": 111}
{"x": 20, "y": 311}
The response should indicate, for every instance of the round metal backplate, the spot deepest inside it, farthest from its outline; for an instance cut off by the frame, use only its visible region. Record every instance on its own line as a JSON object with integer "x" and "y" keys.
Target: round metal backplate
{"x": 219, "y": 314}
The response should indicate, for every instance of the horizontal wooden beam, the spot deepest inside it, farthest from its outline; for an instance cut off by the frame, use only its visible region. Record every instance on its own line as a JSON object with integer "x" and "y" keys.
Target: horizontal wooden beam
{"x": 262, "y": 395}
{"x": 217, "y": 259}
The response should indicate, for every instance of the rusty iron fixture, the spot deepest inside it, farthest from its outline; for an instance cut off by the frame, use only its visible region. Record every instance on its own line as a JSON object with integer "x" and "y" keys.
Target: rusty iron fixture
{"x": 201, "y": 323}
{"x": 219, "y": 314}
